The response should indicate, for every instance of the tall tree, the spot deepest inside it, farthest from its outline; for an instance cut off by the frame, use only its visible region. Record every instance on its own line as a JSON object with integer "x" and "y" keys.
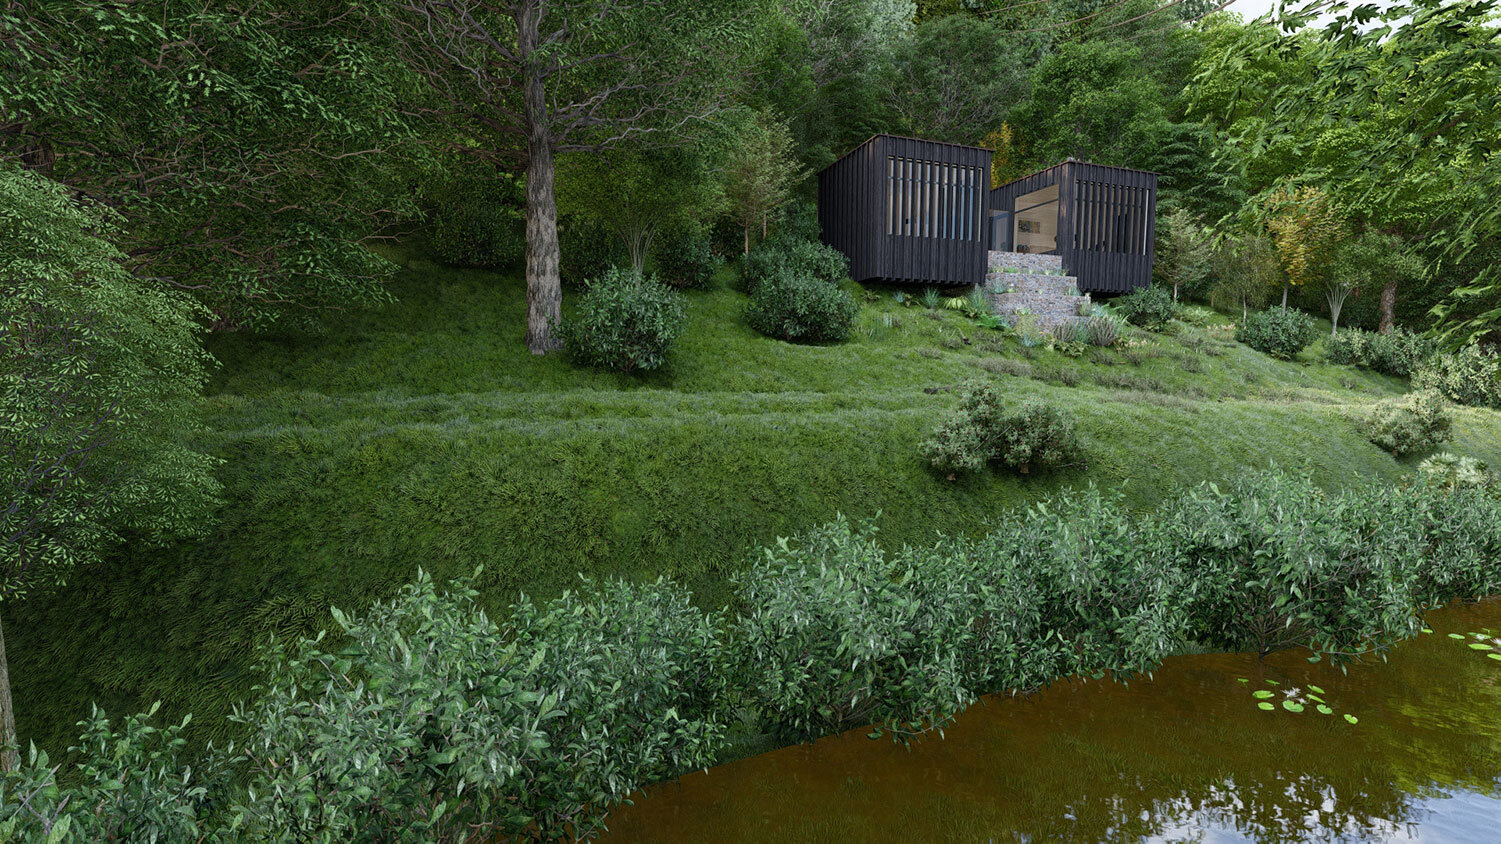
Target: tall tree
{"x": 1183, "y": 257}
{"x": 250, "y": 148}
{"x": 760, "y": 172}
{"x": 520, "y": 81}
{"x": 957, "y": 77}
{"x": 99, "y": 375}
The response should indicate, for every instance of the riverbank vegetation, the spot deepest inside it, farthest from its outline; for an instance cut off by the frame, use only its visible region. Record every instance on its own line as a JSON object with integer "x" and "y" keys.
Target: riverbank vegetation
{"x": 424, "y": 712}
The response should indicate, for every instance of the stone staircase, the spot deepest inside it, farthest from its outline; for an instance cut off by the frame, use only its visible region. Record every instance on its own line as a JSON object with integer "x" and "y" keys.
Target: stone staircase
{"x": 1022, "y": 280}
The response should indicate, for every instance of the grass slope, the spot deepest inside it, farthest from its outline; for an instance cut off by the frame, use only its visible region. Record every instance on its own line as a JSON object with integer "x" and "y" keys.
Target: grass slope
{"x": 425, "y": 435}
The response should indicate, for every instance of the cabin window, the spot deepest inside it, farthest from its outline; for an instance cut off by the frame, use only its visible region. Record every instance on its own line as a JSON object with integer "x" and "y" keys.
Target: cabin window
{"x": 932, "y": 199}
{"x": 1036, "y": 216}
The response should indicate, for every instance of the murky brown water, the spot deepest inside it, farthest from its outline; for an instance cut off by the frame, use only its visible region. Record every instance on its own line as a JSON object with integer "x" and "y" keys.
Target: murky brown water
{"x": 1184, "y": 756}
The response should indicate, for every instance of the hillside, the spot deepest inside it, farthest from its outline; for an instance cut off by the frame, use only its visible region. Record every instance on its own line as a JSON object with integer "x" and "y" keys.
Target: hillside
{"x": 423, "y": 434}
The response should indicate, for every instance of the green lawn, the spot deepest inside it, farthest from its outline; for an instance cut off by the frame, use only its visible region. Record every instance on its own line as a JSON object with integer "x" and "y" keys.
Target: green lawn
{"x": 424, "y": 435}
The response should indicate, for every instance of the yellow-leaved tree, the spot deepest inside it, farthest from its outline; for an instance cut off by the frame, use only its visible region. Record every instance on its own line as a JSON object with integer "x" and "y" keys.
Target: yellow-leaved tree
{"x": 1307, "y": 229}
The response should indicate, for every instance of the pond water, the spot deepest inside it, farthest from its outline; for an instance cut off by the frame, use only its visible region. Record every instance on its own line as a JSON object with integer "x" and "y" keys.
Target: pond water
{"x": 1187, "y": 755}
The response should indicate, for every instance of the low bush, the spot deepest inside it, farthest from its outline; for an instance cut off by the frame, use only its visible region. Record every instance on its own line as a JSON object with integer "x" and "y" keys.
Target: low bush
{"x": 801, "y": 309}
{"x": 1399, "y": 353}
{"x": 623, "y": 321}
{"x": 1150, "y": 307}
{"x": 982, "y": 434}
{"x": 431, "y": 721}
{"x": 834, "y": 636}
{"x": 1277, "y": 332}
{"x": 1277, "y": 563}
{"x": 779, "y": 257}
{"x": 1451, "y": 471}
{"x": 683, "y": 258}
{"x": 1419, "y": 422}
{"x": 1470, "y": 376}
{"x": 1102, "y": 330}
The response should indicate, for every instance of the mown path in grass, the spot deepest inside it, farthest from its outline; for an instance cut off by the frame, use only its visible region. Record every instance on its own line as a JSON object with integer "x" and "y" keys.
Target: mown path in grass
{"x": 423, "y": 434}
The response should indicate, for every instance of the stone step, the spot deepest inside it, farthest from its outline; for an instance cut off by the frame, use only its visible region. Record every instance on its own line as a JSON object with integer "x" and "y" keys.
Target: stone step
{"x": 1025, "y": 261}
{"x": 1058, "y": 285}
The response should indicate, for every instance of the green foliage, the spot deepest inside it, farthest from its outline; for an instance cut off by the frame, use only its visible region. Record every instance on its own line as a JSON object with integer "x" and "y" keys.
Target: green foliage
{"x": 1150, "y": 307}
{"x": 1420, "y": 422}
{"x": 956, "y": 78}
{"x": 982, "y": 433}
{"x": 835, "y": 635}
{"x": 1245, "y": 270}
{"x": 1401, "y": 353}
{"x": 1102, "y": 330}
{"x": 791, "y": 255}
{"x": 624, "y": 321}
{"x": 479, "y": 223}
{"x": 760, "y": 171}
{"x": 250, "y": 152}
{"x": 434, "y": 719}
{"x": 130, "y": 784}
{"x": 1277, "y": 332}
{"x": 1183, "y": 253}
{"x": 683, "y": 258}
{"x": 1277, "y": 562}
{"x": 1470, "y": 376}
{"x": 587, "y": 250}
{"x": 801, "y": 309}
{"x": 99, "y": 378}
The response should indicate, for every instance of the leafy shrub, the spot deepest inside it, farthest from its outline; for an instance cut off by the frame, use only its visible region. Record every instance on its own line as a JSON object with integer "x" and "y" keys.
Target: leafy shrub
{"x": 1277, "y": 332}
{"x": 778, "y": 257}
{"x": 1399, "y": 353}
{"x": 132, "y": 784}
{"x": 982, "y": 433}
{"x": 801, "y": 309}
{"x": 835, "y": 636}
{"x": 1150, "y": 307}
{"x": 1451, "y": 471}
{"x": 624, "y": 322}
{"x": 1421, "y": 421}
{"x": 1278, "y": 563}
{"x": 474, "y": 226}
{"x": 1462, "y": 537}
{"x": 1102, "y": 330}
{"x": 1470, "y": 376}
{"x": 684, "y": 259}
{"x": 438, "y": 722}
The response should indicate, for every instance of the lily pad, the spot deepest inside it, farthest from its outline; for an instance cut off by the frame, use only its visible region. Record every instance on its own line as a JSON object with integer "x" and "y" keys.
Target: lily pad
{"x": 1455, "y": 636}
{"x": 1241, "y": 680}
{"x": 1481, "y": 646}
{"x": 1264, "y": 705}
{"x": 1427, "y": 630}
{"x": 1292, "y": 706}
{"x": 1261, "y": 694}
{"x": 1351, "y": 718}
{"x": 1315, "y": 689}
{"x": 1315, "y": 698}
{"x": 1324, "y": 710}
{"x": 1273, "y": 683}
{"x": 1494, "y": 656}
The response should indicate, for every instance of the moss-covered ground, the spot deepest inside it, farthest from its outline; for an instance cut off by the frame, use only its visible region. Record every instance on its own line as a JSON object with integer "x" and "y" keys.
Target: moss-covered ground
{"x": 424, "y": 434}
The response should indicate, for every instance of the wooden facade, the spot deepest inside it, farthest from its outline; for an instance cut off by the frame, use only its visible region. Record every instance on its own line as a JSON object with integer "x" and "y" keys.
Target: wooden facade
{"x": 1105, "y": 221}
{"x": 908, "y": 210}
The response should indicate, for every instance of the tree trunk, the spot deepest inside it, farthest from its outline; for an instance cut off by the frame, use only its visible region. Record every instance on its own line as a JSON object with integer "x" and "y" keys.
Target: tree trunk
{"x": 11, "y": 758}
{"x": 747, "y": 238}
{"x": 1175, "y": 291}
{"x": 1244, "y": 311}
{"x": 1388, "y": 308}
{"x": 544, "y": 285}
{"x": 1284, "y": 296}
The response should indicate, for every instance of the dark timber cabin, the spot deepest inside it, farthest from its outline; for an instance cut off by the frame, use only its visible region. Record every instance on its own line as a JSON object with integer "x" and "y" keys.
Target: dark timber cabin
{"x": 1100, "y": 220}
{"x": 905, "y": 209}
{"x": 910, "y": 210}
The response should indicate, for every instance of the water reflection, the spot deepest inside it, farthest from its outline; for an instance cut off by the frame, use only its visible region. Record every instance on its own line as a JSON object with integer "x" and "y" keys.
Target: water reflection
{"x": 1184, "y": 756}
